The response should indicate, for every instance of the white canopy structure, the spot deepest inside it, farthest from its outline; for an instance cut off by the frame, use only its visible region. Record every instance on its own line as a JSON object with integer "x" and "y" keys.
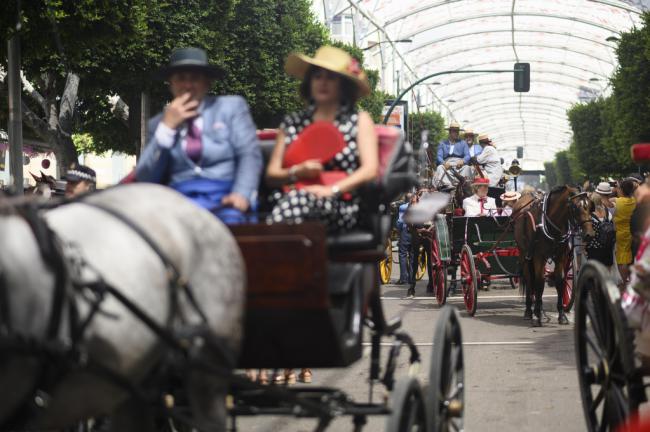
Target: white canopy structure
{"x": 570, "y": 45}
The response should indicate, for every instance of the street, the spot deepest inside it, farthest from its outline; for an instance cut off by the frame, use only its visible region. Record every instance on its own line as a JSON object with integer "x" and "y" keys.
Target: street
{"x": 518, "y": 378}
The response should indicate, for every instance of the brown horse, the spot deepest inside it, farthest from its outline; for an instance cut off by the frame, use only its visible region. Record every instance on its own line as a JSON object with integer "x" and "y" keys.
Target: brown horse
{"x": 542, "y": 229}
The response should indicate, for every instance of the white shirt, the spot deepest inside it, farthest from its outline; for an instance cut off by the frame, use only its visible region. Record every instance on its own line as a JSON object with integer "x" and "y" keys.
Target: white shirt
{"x": 165, "y": 135}
{"x": 491, "y": 164}
{"x": 472, "y": 206}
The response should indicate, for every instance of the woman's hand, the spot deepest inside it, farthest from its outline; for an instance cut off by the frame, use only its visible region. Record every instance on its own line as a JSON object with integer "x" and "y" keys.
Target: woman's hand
{"x": 320, "y": 191}
{"x": 308, "y": 169}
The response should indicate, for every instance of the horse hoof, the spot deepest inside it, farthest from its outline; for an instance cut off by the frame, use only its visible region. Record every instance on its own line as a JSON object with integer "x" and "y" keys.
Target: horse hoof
{"x": 562, "y": 319}
{"x": 537, "y": 322}
{"x": 528, "y": 315}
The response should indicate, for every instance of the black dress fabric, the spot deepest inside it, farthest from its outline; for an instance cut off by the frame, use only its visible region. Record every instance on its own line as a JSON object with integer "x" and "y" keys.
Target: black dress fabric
{"x": 337, "y": 213}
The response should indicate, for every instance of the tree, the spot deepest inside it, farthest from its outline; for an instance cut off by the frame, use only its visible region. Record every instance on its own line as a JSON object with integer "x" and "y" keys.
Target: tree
{"x": 563, "y": 169}
{"x": 588, "y": 150}
{"x": 550, "y": 172}
{"x": 430, "y": 121}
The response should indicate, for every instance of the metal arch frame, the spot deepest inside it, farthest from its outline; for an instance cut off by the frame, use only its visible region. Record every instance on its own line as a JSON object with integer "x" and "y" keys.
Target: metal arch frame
{"x": 572, "y": 66}
{"x": 481, "y": 115}
{"x": 509, "y": 45}
{"x": 446, "y": 2}
{"x": 535, "y": 71}
{"x": 459, "y": 85}
{"x": 527, "y": 125}
{"x": 489, "y": 115}
{"x": 571, "y": 35}
{"x": 505, "y": 131}
{"x": 516, "y": 103}
{"x": 464, "y": 90}
{"x": 503, "y": 89}
{"x": 508, "y": 15}
{"x": 542, "y": 97}
{"x": 518, "y": 133}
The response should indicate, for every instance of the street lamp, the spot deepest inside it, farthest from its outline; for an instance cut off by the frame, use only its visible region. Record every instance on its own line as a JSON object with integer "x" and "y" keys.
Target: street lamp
{"x": 613, "y": 39}
{"x": 451, "y": 100}
{"x": 374, "y": 44}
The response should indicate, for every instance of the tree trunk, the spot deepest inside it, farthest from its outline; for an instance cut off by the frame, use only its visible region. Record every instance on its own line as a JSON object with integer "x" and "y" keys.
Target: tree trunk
{"x": 65, "y": 152}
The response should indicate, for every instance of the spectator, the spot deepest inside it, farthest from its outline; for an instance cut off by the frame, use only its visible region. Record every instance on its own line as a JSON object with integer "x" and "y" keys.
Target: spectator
{"x": 601, "y": 248}
{"x": 79, "y": 179}
{"x": 404, "y": 243}
{"x": 623, "y": 208}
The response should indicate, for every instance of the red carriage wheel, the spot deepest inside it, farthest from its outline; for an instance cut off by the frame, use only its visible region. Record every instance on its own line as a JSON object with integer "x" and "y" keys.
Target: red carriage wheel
{"x": 439, "y": 272}
{"x": 469, "y": 280}
{"x": 568, "y": 295}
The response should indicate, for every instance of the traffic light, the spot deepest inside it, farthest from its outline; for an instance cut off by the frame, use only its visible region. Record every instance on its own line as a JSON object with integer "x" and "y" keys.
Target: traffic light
{"x": 520, "y": 152}
{"x": 522, "y": 77}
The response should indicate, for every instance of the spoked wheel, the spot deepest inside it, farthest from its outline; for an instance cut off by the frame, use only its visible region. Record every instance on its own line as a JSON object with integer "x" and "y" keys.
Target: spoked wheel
{"x": 408, "y": 408}
{"x": 610, "y": 385}
{"x": 446, "y": 391}
{"x": 422, "y": 264}
{"x": 468, "y": 279}
{"x": 568, "y": 292}
{"x": 439, "y": 272}
{"x": 386, "y": 265}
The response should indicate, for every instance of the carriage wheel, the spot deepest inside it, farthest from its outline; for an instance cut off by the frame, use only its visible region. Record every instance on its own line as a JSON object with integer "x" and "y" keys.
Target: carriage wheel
{"x": 439, "y": 273}
{"x": 468, "y": 279}
{"x": 568, "y": 293}
{"x": 408, "y": 409}
{"x": 446, "y": 391}
{"x": 422, "y": 264}
{"x": 610, "y": 385}
{"x": 386, "y": 265}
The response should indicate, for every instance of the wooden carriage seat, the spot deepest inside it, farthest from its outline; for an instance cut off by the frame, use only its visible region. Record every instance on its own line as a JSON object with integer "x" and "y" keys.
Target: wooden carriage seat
{"x": 307, "y": 291}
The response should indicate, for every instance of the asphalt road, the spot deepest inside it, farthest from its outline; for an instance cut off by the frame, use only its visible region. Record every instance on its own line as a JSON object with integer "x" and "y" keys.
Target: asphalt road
{"x": 518, "y": 378}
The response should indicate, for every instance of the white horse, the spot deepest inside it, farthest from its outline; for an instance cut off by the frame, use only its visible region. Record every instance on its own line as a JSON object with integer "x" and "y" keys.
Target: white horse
{"x": 199, "y": 246}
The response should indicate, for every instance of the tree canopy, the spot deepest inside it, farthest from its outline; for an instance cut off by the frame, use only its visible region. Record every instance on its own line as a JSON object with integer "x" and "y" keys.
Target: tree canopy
{"x": 605, "y": 128}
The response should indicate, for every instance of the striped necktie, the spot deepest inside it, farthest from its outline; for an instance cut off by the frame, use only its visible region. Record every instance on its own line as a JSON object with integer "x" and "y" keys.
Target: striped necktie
{"x": 193, "y": 141}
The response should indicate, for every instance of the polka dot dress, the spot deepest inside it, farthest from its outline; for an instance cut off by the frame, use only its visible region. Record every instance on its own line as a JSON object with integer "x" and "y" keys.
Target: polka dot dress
{"x": 296, "y": 206}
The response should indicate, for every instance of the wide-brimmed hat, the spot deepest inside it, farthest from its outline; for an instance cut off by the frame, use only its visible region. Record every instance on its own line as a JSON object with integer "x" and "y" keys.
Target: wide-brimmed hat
{"x": 604, "y": 188}
{"x": 510, "y": 196}
{"x": 332, "y": 59}
{"x": 194, "y": 59}
{"x": 484, "y": 137}
{"x": 454, "y": 125}
{"x": 637, "y": 178}
{"x": 469, "y": 131}
{"x": 81, "y": 172}
{"x": 481, "y": 181}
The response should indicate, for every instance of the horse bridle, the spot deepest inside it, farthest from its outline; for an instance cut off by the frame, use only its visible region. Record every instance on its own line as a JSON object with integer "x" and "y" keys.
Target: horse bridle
{"x": 573, "y": 220}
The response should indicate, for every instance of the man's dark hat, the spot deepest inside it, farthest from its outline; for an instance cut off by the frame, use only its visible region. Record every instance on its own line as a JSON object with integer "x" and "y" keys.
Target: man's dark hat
{"x": 81, "y": 172}
{"x": 183, "y": 59}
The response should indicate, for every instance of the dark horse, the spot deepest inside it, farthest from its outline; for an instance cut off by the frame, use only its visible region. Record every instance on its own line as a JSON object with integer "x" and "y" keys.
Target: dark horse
{"x": 542, "y": 229}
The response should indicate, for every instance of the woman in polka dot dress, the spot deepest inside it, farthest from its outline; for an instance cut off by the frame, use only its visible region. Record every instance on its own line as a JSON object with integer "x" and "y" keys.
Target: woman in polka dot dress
{"x": 332, "y": 84}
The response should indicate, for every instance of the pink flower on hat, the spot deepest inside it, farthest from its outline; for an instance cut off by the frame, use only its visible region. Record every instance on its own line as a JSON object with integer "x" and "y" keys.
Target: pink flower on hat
{"x": 353, "y": 67}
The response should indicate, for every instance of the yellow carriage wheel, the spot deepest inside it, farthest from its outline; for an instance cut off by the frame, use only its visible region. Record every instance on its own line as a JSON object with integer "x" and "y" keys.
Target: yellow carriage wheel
{"x": 386, "y": 265}
{"x": 422, "y": 264}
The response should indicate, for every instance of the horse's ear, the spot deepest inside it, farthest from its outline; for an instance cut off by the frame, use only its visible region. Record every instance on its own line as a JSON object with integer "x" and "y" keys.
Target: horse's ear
{"x": 36, "y": 178}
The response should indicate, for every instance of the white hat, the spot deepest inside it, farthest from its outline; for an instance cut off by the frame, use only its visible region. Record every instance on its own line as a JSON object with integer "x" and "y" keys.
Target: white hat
{"x": 604, "y": 189}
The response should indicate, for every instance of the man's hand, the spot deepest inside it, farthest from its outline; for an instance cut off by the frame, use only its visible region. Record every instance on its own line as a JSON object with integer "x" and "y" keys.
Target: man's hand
{"x": 460, "y": 164}
{"x": 309, "y": 169}
{"x": 179, "y": 110}
{"x": 236, "y": 201}
{"x": 447, "y": 165}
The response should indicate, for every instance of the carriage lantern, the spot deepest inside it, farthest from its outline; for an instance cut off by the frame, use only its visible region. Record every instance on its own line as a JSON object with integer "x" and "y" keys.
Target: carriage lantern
{"x": 514, "y": 170}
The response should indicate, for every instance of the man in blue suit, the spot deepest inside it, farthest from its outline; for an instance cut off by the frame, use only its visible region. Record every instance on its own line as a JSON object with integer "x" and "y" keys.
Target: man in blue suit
{"x": 205, "y": 147}
{"x": 453, "y": 153}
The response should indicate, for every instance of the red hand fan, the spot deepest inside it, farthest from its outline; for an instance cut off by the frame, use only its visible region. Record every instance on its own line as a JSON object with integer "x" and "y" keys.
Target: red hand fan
{"x": 319, "y": 141}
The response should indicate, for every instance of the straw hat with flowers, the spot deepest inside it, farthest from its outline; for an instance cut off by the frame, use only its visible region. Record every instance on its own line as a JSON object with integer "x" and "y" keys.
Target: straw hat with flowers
{"x": 332, "y": 59}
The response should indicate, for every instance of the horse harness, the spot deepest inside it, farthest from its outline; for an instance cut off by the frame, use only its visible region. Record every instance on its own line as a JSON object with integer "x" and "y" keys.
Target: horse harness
{"x": 574, "y": 225}
{"x": 62, "y": 353}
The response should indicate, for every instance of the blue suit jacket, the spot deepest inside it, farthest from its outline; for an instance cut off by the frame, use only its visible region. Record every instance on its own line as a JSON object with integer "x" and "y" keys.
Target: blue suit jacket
{"x": 460, "y": 151}
{"x": 230, "y": 149}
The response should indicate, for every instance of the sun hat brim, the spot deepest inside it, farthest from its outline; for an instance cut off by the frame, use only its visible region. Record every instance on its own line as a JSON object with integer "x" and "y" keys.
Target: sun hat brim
{"x": 514, "y": 197}
{"x": 297, "y": 66}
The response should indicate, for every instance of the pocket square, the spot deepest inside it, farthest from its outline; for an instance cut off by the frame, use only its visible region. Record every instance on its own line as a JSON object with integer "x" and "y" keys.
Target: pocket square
{"x": 219, "y": 125}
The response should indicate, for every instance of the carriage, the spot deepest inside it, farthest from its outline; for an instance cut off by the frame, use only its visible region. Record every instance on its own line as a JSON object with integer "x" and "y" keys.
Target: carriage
{"x": 325, "y": 304}
{"x": 611, "y": 377}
